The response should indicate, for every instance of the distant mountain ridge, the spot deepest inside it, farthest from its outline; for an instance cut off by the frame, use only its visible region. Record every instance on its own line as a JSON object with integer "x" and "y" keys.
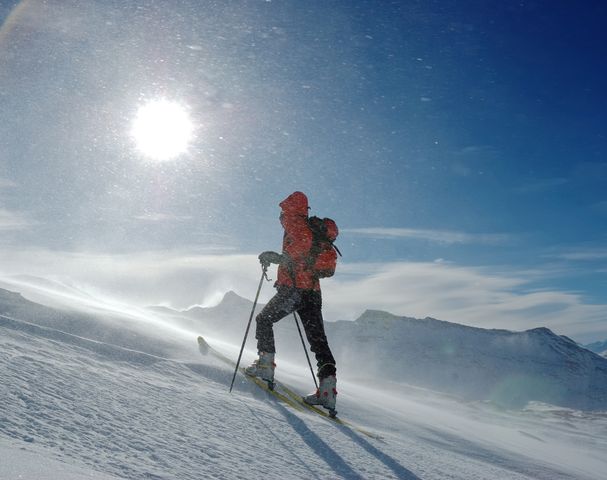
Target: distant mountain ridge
{"x": 506, "y": 367}
{"x": 509, "y": 368}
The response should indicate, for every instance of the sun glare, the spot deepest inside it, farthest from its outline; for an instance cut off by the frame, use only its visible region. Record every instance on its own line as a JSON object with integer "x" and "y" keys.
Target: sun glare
{"x": 162, "y": 130}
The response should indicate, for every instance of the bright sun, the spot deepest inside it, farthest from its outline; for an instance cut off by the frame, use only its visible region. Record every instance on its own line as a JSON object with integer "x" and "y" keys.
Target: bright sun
{"x": 162, "y": 130}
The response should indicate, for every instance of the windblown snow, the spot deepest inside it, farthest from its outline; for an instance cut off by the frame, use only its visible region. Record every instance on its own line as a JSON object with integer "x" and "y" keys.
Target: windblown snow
{"x": 116, "y": 393}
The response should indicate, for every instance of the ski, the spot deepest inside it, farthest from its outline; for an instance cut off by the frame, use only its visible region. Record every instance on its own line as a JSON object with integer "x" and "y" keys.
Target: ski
{"x": 282, "y": 392}
{"x": 287, "y": 391}
{"x": 206, "y": 349}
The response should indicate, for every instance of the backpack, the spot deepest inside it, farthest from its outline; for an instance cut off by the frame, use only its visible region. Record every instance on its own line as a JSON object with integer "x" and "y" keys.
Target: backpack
{"x": 323, "y": 254}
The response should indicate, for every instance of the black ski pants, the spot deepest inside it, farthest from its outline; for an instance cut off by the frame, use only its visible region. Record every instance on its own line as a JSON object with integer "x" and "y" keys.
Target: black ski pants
{"x": 308, "y": 304}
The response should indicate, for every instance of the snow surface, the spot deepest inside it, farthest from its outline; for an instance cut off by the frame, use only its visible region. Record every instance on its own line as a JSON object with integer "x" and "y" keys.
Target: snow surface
{"x": 93, "y": 406}
{"x": 30, "y": 462}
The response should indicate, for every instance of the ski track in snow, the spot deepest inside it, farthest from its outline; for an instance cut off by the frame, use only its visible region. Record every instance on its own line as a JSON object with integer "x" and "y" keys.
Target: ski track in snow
{"x": 132, "y": 415}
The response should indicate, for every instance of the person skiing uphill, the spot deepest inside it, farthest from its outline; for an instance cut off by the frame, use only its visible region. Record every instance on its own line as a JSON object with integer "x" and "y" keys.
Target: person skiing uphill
{"x": 298, "y": 290}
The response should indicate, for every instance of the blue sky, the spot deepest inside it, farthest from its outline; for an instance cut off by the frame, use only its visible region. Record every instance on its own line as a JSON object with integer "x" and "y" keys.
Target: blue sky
{"x": 462, "y": 143}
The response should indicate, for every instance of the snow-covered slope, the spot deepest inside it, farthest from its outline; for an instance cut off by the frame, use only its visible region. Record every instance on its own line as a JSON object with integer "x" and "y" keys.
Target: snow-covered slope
{"x": 77, "y": 408}
{"x": 227, "y": 319}
{"x": 120, "y": 328}
{"x": 29, "y": 461}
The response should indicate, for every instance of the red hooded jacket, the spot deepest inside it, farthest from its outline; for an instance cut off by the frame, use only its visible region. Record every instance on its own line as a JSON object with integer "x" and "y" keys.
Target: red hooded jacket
{"x": 296, "y": 244}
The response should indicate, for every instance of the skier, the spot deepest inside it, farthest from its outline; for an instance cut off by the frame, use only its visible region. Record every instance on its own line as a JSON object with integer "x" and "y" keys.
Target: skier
{"x": 298, "y": 289}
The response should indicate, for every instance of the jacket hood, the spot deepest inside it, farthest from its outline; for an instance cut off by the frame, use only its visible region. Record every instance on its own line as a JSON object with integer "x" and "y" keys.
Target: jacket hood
{"x": 331, "y": 227}
{"x": 295, "y": 204}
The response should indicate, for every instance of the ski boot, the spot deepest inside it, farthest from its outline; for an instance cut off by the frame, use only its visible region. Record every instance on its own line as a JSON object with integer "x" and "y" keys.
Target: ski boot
{"x": 325, "y": 395}
{"x": 263, "y": 368}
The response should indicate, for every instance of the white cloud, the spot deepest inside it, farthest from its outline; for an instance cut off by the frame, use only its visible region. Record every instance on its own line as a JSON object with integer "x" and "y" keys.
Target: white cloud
{"x": 468, "y": 295}
{"x": 438, "y": 236}
{"x": 174, "y": 278}
{"x": 163, "y": 217}
{"x": 5, "y": 183}
{"x": 10, "y": 219}
{"x": 13, "y": 220}
{"x": 589, "y": 254}
{"x": 477, "y": 150}
{"x": 541, "y": 185}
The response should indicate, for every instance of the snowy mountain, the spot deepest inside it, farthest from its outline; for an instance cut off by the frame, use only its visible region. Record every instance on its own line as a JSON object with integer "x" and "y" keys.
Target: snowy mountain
{"x": 504, "y": 367}
{"x": 598, "y": 347}
{"x": 228, "y": 318}
{"x": 109, "y": 326}
{"x": 508, "y": 368}
{"x": 75, "y": 407}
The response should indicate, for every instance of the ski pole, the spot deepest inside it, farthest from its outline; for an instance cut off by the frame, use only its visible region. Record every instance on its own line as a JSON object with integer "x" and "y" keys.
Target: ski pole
{"x": 305, "y": 349}
{"x": 244, "y": 340}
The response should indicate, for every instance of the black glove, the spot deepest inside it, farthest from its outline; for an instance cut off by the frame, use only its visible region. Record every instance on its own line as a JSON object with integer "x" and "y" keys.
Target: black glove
{"x": 266, "y": 258}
